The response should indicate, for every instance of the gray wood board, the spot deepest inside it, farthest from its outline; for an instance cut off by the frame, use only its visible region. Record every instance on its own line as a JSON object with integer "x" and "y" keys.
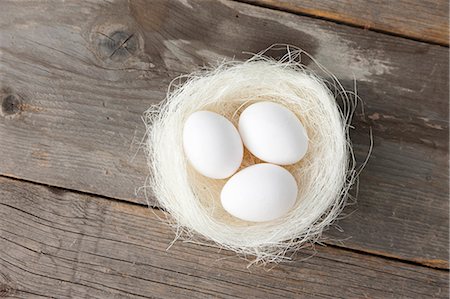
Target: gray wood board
{"x": 66, "y": 245}
{"x": 425, "y": 20}
{"x": 73, "y": 94}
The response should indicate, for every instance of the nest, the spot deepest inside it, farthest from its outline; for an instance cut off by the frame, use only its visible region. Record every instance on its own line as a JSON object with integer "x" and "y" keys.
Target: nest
{"x": 324, "y": 175}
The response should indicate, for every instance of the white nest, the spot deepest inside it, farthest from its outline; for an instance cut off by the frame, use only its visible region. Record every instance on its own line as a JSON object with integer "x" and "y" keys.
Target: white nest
{"x": 324, "y": 175}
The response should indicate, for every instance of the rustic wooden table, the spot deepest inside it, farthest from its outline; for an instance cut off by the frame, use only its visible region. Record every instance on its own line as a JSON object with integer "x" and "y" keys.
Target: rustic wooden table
{"x": 75, "y": 78}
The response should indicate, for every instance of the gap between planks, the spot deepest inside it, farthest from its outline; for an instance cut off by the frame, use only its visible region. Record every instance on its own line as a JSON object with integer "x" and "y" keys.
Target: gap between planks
{"x": 305, "y": 13}
{"x": 427, "y": 264}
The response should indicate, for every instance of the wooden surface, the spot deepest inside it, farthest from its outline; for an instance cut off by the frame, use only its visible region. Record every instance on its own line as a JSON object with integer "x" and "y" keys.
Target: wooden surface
{"x": 63, "y": 245}
{"x": 75, "y": 80}
{"x": 425, "y": 20}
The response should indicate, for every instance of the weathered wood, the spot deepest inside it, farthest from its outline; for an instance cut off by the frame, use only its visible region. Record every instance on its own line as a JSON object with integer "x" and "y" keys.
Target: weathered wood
{"x": 65, "y": 245}
{"x": 423, "y": 20}
{"x": 73, "y": 93}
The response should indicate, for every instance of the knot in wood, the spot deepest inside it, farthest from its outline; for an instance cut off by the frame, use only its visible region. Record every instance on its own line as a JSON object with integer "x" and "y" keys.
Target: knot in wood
{"x": 11, "y": 104}
{"x": 118, "y": 45}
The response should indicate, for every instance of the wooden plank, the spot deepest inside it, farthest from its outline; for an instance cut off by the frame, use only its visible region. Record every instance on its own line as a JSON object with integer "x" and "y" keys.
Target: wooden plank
{"x": 422, "y": 20}
{"x": 72, "y": 101}
{"x": 62, "y": 244}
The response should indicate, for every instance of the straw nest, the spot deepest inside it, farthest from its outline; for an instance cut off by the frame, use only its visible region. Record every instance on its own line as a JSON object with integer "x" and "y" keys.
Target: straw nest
{"x": 324, "y": 175}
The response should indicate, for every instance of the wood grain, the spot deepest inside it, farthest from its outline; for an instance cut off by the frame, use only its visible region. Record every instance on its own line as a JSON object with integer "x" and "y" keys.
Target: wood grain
{"x": 422, "y": 20}
{"x": 76, "y": 81}
{"x": 65, "y": 245}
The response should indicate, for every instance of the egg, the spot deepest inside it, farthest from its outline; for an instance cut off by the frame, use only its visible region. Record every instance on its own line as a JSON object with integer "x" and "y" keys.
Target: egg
{"x": 258, "y": 193}
{"x": 273, "y": 133}
{"x": 212, "y": 144}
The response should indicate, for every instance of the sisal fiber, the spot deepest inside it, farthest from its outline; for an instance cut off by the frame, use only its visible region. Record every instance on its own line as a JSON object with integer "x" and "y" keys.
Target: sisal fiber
{"x": 324, "y": 176}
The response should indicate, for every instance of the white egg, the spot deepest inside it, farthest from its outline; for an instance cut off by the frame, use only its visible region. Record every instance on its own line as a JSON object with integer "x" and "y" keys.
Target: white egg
{"x": 261, "y": 192}
{"x": 273, "y": 133}
{"x": 212, "y": 144}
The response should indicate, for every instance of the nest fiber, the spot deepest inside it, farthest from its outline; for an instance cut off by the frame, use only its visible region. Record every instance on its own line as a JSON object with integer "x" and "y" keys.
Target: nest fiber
{"x": 324, "y": 175}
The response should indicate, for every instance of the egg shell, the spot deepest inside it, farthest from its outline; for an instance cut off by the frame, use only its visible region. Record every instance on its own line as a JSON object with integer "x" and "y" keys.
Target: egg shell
{"x": 212, "y": 144}
{"x": 258, "y": 193}
{"x": 273, "y": 133}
